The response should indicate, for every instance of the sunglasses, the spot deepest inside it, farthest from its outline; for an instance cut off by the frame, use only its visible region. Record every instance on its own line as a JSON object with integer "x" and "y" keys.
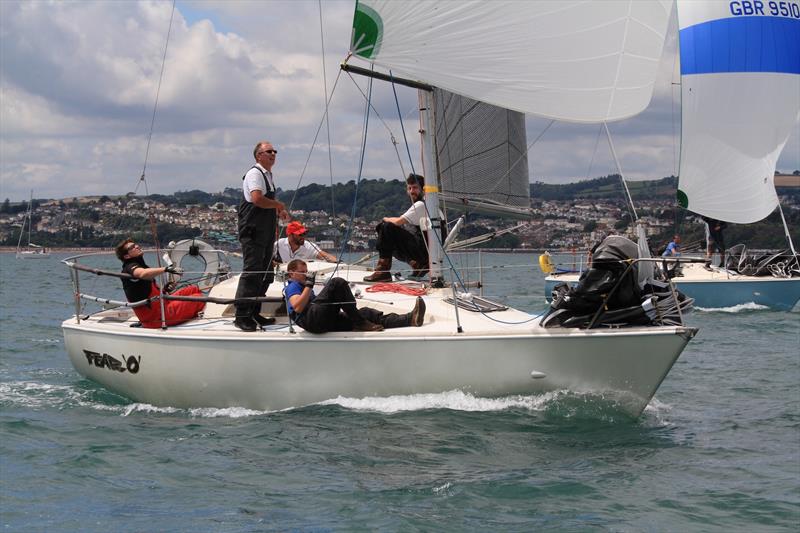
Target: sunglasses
{"x": 268, "y": 152}
{"x": 129, "y": 248}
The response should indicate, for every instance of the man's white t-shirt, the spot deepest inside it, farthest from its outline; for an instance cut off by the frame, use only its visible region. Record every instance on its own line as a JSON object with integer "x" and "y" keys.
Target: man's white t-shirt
{"x": 307, "y": 252}
{"x": 254, "y": 181}
{"x": 416, "y": 213}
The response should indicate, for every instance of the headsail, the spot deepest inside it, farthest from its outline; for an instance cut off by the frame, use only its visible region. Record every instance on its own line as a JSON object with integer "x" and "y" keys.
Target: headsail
{"x": 562, "y": 59}
{"x": 482, "y": 154}
{"x": 740, "y": 78}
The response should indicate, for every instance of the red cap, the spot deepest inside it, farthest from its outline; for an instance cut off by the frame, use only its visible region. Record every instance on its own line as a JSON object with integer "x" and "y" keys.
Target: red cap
{"x": 295, "y": 228}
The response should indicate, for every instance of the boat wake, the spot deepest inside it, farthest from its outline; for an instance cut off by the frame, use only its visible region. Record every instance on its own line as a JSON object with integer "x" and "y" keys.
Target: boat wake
{"x": 561, "y": 403}
{"x": 739, "y": 308}
{"x": 35, "y": 395}
{"x": 455, "y": 400}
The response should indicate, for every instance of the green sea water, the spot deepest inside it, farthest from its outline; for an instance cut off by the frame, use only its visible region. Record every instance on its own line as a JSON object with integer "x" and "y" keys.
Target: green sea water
{"x": 718, "y": 448}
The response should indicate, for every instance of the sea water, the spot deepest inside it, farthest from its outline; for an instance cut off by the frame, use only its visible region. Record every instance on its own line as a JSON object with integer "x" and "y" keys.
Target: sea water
{"x": 717, "y": 449}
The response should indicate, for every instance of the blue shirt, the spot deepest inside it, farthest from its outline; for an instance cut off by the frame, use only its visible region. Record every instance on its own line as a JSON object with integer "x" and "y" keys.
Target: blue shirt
{"x": 670, "y": 247}
{"x": 295, "y": 288}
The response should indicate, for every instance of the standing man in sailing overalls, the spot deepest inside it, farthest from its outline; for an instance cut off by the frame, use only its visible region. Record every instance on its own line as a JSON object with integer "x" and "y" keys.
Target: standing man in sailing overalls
{"x": 258, "y": 219}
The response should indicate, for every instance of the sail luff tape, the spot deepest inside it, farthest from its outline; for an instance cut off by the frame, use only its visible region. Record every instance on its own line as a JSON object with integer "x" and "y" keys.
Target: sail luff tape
{"x": 430, "y": 188}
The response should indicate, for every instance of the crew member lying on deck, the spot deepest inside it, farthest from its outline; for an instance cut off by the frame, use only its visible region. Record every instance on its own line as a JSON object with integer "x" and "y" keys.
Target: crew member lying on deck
{"x": 142, "y": 286}
{"x": 334, "y": 309}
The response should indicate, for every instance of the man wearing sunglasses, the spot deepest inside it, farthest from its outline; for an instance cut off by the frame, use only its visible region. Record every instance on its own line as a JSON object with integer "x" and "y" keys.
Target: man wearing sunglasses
{"x": 258, "y": 219}
{"x": 141, "y": 286}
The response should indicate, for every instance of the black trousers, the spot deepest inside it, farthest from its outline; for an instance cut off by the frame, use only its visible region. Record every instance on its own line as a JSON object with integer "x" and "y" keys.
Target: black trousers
{"x": 716, "y": 241}
{"x": 394, "y": 241}
{"x": 256, "y": 276}
{"x": 334, "y": 309}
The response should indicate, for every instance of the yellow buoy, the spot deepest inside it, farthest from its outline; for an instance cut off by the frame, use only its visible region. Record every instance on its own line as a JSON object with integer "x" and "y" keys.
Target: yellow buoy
{"x": 546, "y": 264}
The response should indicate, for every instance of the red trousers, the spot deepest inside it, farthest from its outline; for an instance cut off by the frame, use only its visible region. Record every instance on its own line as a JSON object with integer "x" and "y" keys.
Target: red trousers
{"x": 176, "y": 312}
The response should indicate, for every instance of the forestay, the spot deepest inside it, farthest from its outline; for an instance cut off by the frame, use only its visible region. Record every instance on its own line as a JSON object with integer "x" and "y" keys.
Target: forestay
{"x": 740, "y": 77}
{"x": 566, "y": 60}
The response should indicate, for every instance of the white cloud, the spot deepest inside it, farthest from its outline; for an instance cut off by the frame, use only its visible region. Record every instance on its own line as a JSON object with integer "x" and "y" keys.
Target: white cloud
{"x": 79, "y": 79}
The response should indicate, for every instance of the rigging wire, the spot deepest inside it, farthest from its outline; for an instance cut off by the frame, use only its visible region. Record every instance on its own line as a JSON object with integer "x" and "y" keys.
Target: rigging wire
{"x": 385, "y": 125}
{"x": 327, "y": 115}
{"x": 621, "y": 176}
{"x": 365, "y": 129}
{"x": 594, "y": 152}
{"x": 314, "y": 142}
{"x": 142, "y": 178}
{"x": 402, "y": 127}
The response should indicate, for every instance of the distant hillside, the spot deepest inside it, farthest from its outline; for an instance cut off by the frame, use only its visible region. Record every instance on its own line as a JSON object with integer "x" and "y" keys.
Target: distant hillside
{"x": 610, "y": 187}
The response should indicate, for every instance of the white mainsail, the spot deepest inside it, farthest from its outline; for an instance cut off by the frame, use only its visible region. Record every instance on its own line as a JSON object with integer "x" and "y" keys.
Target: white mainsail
{"x": 740, "y": 83}
{"x": 566, "y": 60}
{"x": 482, "y": 155}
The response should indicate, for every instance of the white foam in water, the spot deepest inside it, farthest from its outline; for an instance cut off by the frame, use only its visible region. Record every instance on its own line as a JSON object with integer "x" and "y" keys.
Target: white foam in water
{"x": 38, "y": 395}
{"x": 749, "y": 306}
{"x": 444, "y": 489}
{"x": 229, "y": 412}
{"x": 456, "y": 400}
{"x": 658, "y": 410}
{"x": 47, "y": 341}
{"x": 199, "y": 412}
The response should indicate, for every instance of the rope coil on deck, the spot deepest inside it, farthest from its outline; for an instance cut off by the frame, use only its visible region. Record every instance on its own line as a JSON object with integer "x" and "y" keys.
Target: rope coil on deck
{"x": 398, "y": 288}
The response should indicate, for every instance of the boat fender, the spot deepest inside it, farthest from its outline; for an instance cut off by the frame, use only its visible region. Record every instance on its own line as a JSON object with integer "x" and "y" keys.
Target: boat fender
{"x": 546, "y": 263}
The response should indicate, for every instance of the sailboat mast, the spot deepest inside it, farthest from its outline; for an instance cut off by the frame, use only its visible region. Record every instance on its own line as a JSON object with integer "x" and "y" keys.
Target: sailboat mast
{"x": 431, "y": 171}
{"x": 30, "y": 217}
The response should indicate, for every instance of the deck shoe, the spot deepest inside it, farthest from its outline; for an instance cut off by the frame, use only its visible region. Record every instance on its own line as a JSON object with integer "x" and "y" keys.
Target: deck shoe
{"x": 263, "y": 320}
{"x": 245, "y": 323}
{"x": 382, "y": 272}
{"x": 366, "y": 325}
{"x": 418, "y": 270}
{"x": 418, "y": 313}
{"x": 379, "y": 276}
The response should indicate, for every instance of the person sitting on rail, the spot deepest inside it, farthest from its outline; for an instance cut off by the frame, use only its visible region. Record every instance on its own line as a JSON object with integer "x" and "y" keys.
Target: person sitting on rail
{"x": 334, "y": 309}
{"x": 141, "y": 286}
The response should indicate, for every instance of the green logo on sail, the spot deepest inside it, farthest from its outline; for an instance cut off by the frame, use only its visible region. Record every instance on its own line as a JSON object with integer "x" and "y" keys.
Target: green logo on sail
{"x": 683, "y": 200}
{"x": 367, "y": 32}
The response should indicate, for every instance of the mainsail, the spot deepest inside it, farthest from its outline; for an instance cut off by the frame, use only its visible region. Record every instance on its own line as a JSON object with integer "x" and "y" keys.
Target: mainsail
{"x": 740, "y": 84}
{"x": 482, "y": 154}
{"x": 565, "y": 60}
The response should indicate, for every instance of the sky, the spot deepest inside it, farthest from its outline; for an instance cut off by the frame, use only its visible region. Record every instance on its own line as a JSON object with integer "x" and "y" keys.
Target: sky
{"x": 78, "y": 84}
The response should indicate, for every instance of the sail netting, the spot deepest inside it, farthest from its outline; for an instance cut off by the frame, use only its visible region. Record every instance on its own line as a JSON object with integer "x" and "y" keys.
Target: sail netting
{"x": 482, "y": 153}
{"x": 568, "y": 60}
{"x": 740, "y": 85}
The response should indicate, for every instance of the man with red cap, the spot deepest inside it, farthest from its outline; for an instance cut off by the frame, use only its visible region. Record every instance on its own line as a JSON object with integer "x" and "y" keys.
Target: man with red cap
{"x": 295, "y": 246}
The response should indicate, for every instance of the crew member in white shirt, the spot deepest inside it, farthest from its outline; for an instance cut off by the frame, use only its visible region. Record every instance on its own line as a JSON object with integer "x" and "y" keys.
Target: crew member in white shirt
{"x": 402, "y": 237}
{"x": 295, "y": 246}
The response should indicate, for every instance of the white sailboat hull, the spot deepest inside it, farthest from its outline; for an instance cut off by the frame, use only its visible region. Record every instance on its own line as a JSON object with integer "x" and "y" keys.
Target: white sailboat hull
{"x": 209, "y": 363}
{"x": 718, "y": 288}
{"x": 32, "y": 255}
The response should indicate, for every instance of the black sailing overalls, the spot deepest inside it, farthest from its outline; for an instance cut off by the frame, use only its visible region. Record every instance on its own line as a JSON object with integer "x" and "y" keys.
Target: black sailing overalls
{"x": 257, "y": 237}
